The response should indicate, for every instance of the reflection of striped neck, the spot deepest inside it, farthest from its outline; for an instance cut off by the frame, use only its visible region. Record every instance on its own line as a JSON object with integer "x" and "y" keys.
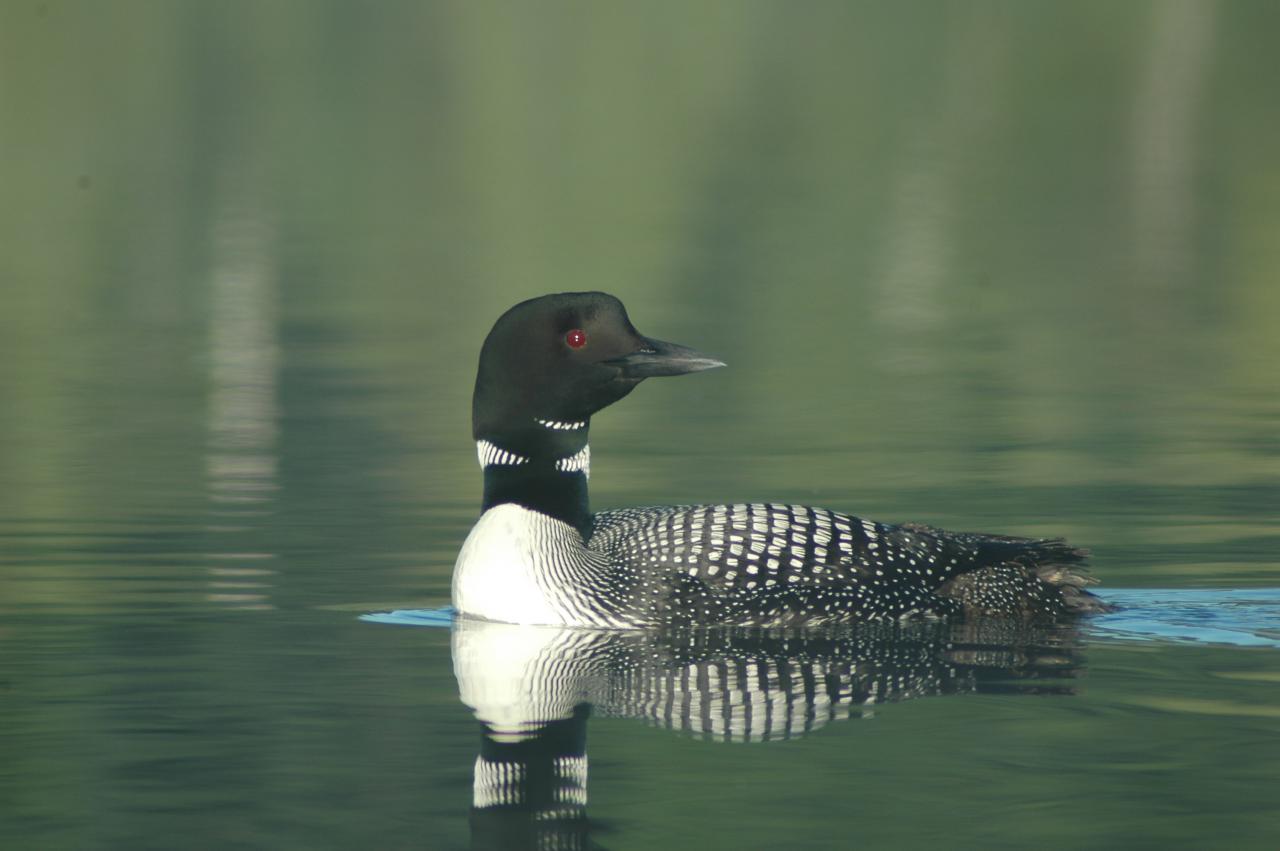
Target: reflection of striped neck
{"x": 546, "y": 771}
{"x": 532, "y": 793}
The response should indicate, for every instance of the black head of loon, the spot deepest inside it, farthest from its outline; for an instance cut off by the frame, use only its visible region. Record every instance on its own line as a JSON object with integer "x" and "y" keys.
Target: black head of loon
{"x": 557, "y": 360}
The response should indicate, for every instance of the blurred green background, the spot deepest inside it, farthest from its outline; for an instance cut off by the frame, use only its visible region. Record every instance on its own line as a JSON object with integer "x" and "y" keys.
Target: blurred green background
{"x": 1008, "y": 266}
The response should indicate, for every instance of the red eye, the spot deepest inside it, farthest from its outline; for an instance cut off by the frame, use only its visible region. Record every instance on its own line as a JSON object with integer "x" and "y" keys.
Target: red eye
{"x": 576, "y": 339}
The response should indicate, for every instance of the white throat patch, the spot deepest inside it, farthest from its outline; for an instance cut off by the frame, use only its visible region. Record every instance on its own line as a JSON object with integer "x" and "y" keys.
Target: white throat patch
{"x": 490, "y": 454}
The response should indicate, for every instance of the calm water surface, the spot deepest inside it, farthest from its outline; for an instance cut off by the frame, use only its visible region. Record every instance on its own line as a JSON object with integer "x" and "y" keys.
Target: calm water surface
{"x": 1000, "y": 267}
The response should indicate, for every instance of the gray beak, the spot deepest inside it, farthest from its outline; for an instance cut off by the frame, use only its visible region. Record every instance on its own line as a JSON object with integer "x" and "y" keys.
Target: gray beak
{"x": 659, "y": 358}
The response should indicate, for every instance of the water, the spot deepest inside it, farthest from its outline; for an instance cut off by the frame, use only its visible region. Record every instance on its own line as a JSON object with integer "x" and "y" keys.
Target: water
{"x": 1001, "y": 267}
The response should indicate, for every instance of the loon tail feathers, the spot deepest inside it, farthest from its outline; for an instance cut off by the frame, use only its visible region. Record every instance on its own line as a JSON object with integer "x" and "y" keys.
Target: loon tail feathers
{"x": 1033, "y": 577}
{"x": 1070, "y": 581}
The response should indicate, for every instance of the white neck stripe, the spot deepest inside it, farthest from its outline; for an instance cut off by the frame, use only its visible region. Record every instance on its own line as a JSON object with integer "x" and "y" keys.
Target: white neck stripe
{"x": 576, "y": 463}
{"x": 561, "y": 426}
{"x": 490, "y": 454}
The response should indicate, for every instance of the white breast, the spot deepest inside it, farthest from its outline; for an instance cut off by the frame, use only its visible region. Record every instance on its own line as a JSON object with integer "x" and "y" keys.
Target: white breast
{"x": 498, "y": 576}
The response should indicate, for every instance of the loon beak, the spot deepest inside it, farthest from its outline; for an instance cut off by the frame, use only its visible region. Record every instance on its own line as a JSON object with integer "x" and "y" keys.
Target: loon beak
{"x": 659, "y": 358}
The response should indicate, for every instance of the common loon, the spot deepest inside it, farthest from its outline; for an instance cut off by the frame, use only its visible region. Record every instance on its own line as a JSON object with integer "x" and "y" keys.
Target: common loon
{"x": 537, "y": 555}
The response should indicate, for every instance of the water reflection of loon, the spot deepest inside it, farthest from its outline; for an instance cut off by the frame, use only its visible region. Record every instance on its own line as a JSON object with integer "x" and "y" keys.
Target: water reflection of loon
{"x": 533, "y": 688}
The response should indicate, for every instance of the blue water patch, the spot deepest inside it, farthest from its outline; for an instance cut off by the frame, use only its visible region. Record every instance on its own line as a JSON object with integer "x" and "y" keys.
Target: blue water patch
{"x": 413, "y": 617}
{"x": 1242, "y": 617}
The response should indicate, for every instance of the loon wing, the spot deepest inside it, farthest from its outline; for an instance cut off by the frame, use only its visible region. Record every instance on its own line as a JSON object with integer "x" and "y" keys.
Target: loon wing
{"x": 772, "y": 563}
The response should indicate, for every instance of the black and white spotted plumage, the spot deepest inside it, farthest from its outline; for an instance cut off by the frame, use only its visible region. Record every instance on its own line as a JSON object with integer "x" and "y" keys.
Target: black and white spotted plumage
{"x": 538, "y": 555}
{"x": 773, "y": 564}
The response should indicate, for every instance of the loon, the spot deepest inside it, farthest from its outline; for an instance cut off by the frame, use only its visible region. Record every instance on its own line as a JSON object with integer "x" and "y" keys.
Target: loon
{"x": 537, "y": 555}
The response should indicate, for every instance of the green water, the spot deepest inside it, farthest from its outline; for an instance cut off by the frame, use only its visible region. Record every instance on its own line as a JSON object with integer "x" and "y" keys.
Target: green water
{"x": 1009, "y": 267}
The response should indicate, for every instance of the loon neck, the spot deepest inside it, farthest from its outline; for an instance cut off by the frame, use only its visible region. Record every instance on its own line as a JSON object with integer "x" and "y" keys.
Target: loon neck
{"x": 543, "y": 467}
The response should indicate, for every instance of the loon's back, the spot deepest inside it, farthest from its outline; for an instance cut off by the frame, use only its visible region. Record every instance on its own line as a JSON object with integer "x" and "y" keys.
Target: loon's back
{"x": 538, "y": 555}
{"x": 771, "y": 564}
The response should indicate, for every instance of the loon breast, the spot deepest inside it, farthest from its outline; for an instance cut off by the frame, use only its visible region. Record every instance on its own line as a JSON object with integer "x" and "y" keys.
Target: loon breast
{"x": 497, "y": 574}
{"x": 522, "y": 566}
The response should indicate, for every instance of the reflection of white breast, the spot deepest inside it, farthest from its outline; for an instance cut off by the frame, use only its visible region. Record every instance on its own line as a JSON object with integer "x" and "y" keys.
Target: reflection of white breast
{"x": 740, "y": 685}
{"x": 496, "y": 575}
{"x": 518, "y": 677}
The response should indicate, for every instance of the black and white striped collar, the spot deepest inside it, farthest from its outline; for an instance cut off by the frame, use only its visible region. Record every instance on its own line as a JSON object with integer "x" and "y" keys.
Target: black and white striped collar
{"x": 490, "y": 454}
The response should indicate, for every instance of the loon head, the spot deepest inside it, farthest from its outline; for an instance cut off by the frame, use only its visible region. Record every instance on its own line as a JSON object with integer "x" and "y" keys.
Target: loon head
{"x": 553, "y": 361}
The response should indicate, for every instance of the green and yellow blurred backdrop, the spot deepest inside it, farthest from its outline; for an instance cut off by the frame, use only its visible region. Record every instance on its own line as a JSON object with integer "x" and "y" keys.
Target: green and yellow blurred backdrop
{"x": 1011, "y": 266}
